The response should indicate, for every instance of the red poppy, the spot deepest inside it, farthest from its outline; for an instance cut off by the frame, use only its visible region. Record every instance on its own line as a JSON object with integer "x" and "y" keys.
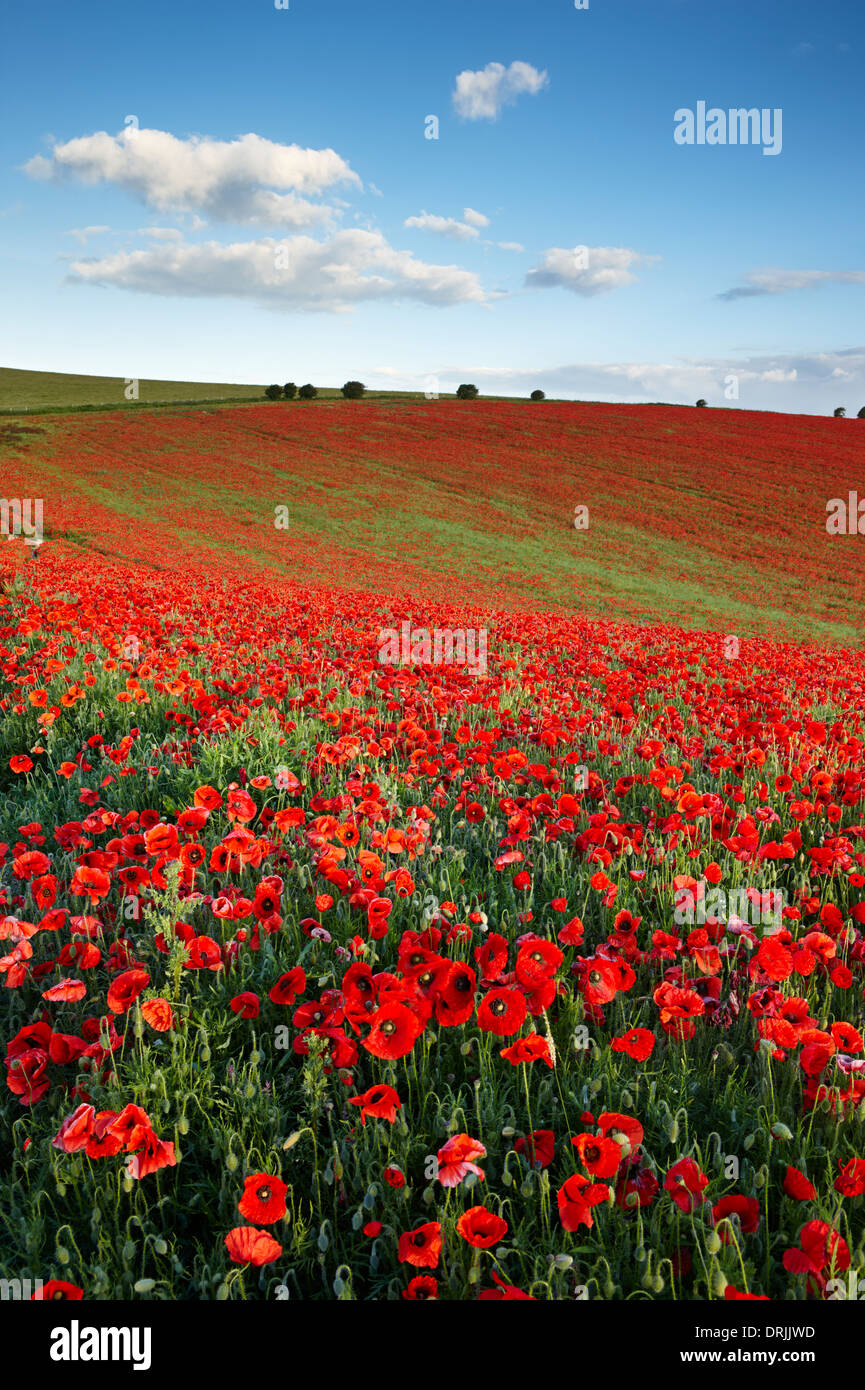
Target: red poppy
{"x": 246, "y": 1245}
{"x": 638, "y": 1043}
{"x": 288, "y": 986}
{"x": 125, "y": 989}
{"x": 382, "y": 1102}
{"x": 394, "y": 1030}
{"x": 481, "y": 1228}
{"x": 57, "y": 1290}
{"x": 263, "y": 1198}
{"x": 576, "y": 1197}
{"x": 502, "y": 1011}
{"x": 600, "y": 1157}
{"x": 245, "y": 1005}
{"x": 421, "y": 1289}
{"x": 421, "y": 1247}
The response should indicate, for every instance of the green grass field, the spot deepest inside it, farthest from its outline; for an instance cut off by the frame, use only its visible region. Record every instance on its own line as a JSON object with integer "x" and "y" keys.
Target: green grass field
{"x": 40, "y": 391}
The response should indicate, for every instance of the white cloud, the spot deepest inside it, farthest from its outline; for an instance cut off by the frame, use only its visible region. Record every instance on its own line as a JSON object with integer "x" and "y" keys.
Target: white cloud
{"x": 586, "y": 270}
{"x": 481, "y": 95}
{"x": 762, "y": 282}
{"x": 511, "y": 246}
{"x": 295, "y": 273}
{"x": 475, "y": 219}
{"x": 231, "y": 181}
{"x": 445, "y": 226}
{"x": 161, "y": 233}
{"x": 82, "y": 234}
{"x": 375, "y": 191}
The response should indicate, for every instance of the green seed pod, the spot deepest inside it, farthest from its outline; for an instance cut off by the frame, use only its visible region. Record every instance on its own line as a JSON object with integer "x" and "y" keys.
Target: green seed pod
{"x": 627, "y": 1100}
{"x": 658, "y": 1284}
{"x": 205, "y": 1054}
{"x": 713, "y": 1242}
{"x": 674, "y": 1129}
{"x": 232, "y": 1163}
{"x": 761, "y": 1177}
{"x": 648, "y": 1280}
{"x": 183, "y": 1125}
{"x": 128, "y": 1183}
{"x": 719, "y": 1282}
{"x": 62, "y": 1254}
{"x": 61, "y": 1189}
{"x": 255, "y": 1058}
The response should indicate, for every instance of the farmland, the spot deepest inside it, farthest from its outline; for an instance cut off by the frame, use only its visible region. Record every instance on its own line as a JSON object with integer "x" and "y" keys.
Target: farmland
{"x": 332, "y": 978}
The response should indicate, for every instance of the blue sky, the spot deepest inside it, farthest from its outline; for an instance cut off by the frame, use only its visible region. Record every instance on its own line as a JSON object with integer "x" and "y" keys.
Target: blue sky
{"x": 554, "y": 235}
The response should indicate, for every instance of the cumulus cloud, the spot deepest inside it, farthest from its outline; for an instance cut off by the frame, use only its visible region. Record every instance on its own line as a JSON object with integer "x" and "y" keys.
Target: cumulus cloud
{"x": 475, "y": 219}
{"x": 480, "y": 96}
{"x": 586, "y": 270}
{"x": 452, "y": 227}
{"x": 762, "y": 282}
{"x": 83, "y": 234}
{"x": 294, "y": 273}
{"x": 241, "y": 181}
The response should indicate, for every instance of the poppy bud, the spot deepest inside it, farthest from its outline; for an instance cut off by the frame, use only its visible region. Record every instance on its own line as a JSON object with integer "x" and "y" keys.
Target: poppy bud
{"x": 779, "y": 1131}
{"x": 719, "y": 1283}
{"x": 183, "y": 1125}
{"x": 61, "y": 1189}
{"x": 563, "y": 1261}
{"x": 748, "y": 1141}
{"x": 290, "y": 1141}
{"x": 255, "y": 1058}
{"x": 232, "y": 1162}
{"x": 205, "y": 1054}
{"x": 627, "y": 1100}
{"x": 674, "y": 1129}
{"x": 713, "y": 1242}
{"x": 508, "y": 1132}
{"x": 144, "y": 1286}
{"x": 761, "y": 1177}
{"x": 62, "y": 1254}
{"x": 160, "y": 1246}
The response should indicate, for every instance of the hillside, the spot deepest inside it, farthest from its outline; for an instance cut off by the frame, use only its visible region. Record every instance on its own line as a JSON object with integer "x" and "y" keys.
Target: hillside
{"x": 713, "y": 519}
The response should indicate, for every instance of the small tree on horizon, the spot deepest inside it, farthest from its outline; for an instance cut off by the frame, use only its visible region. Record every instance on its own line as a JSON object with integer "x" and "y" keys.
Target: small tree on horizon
{"x": 861, "y": 415}
{"x": 273, "y": 393}
{"x": 467, "y": 392}
{"x": 353, "y": 390}
{"x": 289, "y": 390}
{"x": 538, "y": 396}
{"x": 701, "y": 402}
{"x": 839, "y": 411}
{"x": 308, "y": 392}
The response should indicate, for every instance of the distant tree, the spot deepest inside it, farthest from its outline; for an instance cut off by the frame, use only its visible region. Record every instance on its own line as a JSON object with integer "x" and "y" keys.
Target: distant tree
{"x": 538, "y": 396}
{"x": 839, "y": 411}
{"x": 353, "y": 390}
{"x": 273, "y": 393}
{"x": 308, "y": 392}
{"x": 290, "y": 390}
{"x": 467, "y": 392}
{"x": 861, "y": 415}
{"x": 701, "y": 402}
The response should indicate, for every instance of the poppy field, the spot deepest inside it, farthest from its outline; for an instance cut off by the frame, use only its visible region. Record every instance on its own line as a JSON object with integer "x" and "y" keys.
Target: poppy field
{"x": 340, "y": 977}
